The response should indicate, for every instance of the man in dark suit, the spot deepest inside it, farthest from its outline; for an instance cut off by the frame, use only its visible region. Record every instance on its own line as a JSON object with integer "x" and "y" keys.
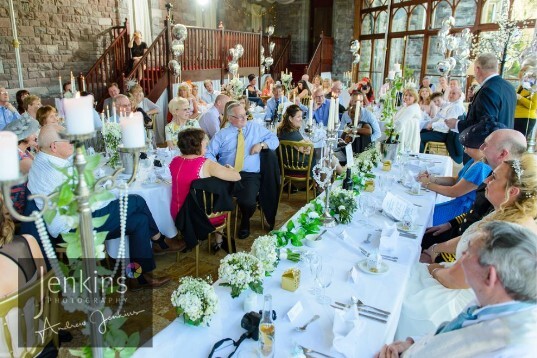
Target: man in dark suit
{"x": 495, "y": 99}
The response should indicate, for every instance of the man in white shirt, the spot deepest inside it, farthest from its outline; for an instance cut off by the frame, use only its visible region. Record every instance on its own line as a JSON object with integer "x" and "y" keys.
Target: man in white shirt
{"x": 44, "y": 178}
{"x": 500, "y": 265}
{"x": 209, "y": 95}
{"x": 436, "y": 129}
{"x": 210, "y": 121}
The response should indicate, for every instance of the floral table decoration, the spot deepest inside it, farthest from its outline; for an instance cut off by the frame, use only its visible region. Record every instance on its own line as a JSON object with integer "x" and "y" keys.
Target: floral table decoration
{"x": 308, "y": 222}
{"x": 241, "y": 271}
{"x": 196, "y": 300}
{"x": 343, "y": 204}
{"x": 112, "y": 139}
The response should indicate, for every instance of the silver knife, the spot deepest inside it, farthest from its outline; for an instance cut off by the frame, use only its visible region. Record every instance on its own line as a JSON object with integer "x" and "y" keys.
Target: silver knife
{"x": 363, "y": 315}
{"x": 382, "y": 315}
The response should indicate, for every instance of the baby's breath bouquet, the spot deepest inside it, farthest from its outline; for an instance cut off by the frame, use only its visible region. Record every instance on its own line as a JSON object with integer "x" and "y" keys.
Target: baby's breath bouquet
{"x": 236, "y": 87}
{"x": 287, "y": 78}
{"x": 343, "y": 204}
{"x": 240, "y": 271}
{"x": 112, "y": 139}
{"x": 264, "y": 248}
{"x": 196, "y": 300}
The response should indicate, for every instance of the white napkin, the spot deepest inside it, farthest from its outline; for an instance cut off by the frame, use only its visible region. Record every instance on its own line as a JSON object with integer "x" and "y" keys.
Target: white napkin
{"x": 347, "y": 328}
{"x": 388, "y": 237}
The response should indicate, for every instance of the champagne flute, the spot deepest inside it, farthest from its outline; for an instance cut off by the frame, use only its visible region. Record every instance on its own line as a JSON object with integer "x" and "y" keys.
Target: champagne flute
{"x": 315, "y": 267}
{"x": 324, "y": 279}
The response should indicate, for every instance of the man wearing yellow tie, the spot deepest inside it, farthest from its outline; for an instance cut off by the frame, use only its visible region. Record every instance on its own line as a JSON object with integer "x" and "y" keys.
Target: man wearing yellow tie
{"x": 239, "y": 146}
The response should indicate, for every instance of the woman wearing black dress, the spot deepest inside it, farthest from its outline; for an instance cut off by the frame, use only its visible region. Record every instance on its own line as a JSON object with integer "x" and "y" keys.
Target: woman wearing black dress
{"x": 138, "y": 48}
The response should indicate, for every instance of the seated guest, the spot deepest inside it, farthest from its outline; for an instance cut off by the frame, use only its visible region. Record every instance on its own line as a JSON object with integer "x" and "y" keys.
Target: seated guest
{"x": 26, "y": 130}
{"x": 337, "y": 88}
{"x": 20, "y": 96}
{"x": 426, "y": 83}
{"x": 267, "y": 87}
{"x": 500, "y": 267}
{"x": 306, "y": 78}
{"x": 44, "y": 178}
{"x": 463, "y": 187}
{"x": 251, "y": 91}
{"x": 436, "y": 129}
{"x": 192, "y": 165}
{"x": 322, "y": 107}
{"x": 276, "y": 105}
{"x": 7, "y": 111}
{"x": 210, "y": 121}
{"x": 474, "y": 87}
{"x": 437, "y": 292}
{"x": 97, "y": 123}
{"x": 113, "y": 91}
{"x": 180, "y": 109}
{"x": 316, "y": 83}
{"x": 209, "y": 95}
{"x": 134, "y": 107}
{"x": 184, "y": 91}
{"x": 443, "y": 86}
{"x": 500, "y": 145}
{"x": 22, "y": 264}
{"x": 140, "y": 101}
{"x": 364, "y": 116}
{"x": 239, "y": 145}
{"x": 326, "y": 86}
{"x": 289, "y": 129}
{"x": 67, "y": 91}
{"x": 407, "y": 121}
{"x": 301, "y": 90}
{"x": 196, "y": 95}
{"x": 47, "y": 115}
{"x": 426, "y": 105}
{"x": 526, "y": 102}
{"x": 366, "y": 88}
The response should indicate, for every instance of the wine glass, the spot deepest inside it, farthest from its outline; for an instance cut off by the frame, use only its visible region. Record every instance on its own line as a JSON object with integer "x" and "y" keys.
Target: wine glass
{"x": 324, "y": 279}
{"x": 315, "y": 267}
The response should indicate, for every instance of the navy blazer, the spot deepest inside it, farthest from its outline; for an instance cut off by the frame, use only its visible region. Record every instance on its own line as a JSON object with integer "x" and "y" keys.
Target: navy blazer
{"x": 496, "y": 99}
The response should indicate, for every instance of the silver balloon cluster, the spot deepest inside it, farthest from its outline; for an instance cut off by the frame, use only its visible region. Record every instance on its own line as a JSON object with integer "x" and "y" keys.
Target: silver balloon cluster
{"x": 235, "y": 53}
{"x": 456, "y": 48}
{"x": 355, "y": 47}
{"x": 179, "y": 34}
{"x": 266, "y": 62}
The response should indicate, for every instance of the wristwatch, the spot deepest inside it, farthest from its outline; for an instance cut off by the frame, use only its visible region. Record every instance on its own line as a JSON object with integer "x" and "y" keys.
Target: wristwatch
{"x": 263, "y": 145}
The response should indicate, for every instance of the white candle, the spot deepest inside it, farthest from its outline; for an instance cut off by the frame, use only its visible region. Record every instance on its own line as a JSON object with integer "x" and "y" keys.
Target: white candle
{"x": 114, "y": 113}
{"x": 132, "y": 131}
{"x": 83, "y": 84}
{"x": 79, "y": 114}
{"x": 391, "y": 75}
{"x": 310, "y": 112}
{"x": 108, "y": 113}
{"x": 61, "y": 85}
{"x": 397, "y": 67}
{"x": 103, "y": 129}
{"x": 73, "y": 84}
{"x": 331, "y": 112}
{"x": 9, "y": 160}
{"x": 356, "y": 114}
{"x": 336, "y": 111}
{"x": 399, "y": 73}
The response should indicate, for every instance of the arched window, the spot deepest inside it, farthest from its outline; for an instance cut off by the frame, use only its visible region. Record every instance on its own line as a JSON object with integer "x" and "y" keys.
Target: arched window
{"x": 365, "y": 55}
{"x": 465, "y": 13}
{"x": 399, "y": 20}
{"x": 367, "y": 24}
{"x": 417, "y": 18}
{"x": 381, "y": 25}
{"x": 441, "y": 11}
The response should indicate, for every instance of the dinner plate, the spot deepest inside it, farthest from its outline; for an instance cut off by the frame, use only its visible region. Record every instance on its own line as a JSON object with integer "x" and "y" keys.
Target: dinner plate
{"x": 362, "y": 265}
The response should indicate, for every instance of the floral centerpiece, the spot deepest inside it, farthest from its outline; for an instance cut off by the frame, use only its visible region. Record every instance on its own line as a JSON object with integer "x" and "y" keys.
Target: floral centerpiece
{"x": 112, "y": 139}
{"x": 235, "y": 88}
{"x": 265, "y": 249}
{"x": 196, "y": 300}
{"x": 343, "y": 204}
{"x": 240, "y": 271}
{"x": 287, "y": 78}
{"x": 308, "y": 222}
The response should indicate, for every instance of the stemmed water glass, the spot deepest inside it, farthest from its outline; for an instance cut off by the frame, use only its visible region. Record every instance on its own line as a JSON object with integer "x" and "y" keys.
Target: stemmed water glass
{"x": 324, "y": 279}
{"x": 315, "y": 266}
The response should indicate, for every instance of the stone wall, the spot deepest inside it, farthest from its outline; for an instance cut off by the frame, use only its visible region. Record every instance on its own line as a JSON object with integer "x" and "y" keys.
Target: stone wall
{"x": 56, "y": 36}
{"x": 342, "y": 31}
{"x": 294, "y": 19}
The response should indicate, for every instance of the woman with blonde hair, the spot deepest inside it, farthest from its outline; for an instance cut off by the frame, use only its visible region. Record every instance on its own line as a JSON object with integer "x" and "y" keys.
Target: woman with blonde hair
{"x": 184, "y": 91}
{"x": 179, "y": 108}
{"x": 526, "y": 102}
{"x": 47, "y": 115}
{"x": 267, "y": 87}
{"x": 438, "y": 292}
{"x": 326, "y": 86}
{"x": 138, "y": 48}
{"x": 315, "y": 83}
{"x": 140, "y": 101}
{"x": 407, "y": 122}
{"x": 196, "y": 95}
{"x": 427, "y": 107}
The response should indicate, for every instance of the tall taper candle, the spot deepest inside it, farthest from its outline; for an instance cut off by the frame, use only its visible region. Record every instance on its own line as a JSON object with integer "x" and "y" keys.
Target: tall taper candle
{"x": 310, "y": 112}
{"x": 9, "y": 160}
{"x": 61, "y": 86}
{"x": 356, "y": 114}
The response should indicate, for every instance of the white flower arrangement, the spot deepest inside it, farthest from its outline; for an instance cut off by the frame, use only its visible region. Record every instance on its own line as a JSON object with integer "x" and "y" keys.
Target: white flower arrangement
{"x": 240, "y": 271}
{"x": 264, "y": 248}
{"x": 280, "y": 109}
{"x": 365, "y": 162}
{"x": 196, "y": 300}
{"x": 112, "y": 139}
{"x": 343, "y": 204}
{"x": 237, "y": 87}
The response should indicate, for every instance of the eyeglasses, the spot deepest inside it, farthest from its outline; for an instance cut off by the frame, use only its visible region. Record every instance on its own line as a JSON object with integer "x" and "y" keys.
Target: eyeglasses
{"x": 4, "y": 92}
{"x": 239, "y": 117}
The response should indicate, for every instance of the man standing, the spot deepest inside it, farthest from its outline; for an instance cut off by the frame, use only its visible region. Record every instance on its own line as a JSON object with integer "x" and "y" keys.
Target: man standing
{"x": 495, "y": 99}
{"x": 209, "y": 95}
{"x": 8, "y": 113}
{"x": 44, "y": 178}
{"x": 500, "y": 145}
{"x": 210, "y": 121}
{"x": 239, "y": 146}
{"x": 500, "y": 265}
{"x": 272, "y": 109}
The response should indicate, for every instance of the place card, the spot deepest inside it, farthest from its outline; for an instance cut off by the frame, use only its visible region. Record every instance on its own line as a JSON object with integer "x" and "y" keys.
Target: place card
{"x": 295, "y": 311}
{"x": 350, "y": 155}
{"x": 396, "y": 207}
{"x": 353, "y": 274}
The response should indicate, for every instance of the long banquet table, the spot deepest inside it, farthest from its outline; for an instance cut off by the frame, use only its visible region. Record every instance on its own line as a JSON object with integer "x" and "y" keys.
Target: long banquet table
{"x": 338, "y": 250}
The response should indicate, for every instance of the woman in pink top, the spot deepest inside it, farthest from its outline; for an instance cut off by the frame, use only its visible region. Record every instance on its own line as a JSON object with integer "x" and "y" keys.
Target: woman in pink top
{"x": 192, "y": 165}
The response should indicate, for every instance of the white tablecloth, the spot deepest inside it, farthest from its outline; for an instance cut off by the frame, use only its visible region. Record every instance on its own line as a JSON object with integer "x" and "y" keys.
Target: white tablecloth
{"x": 383, "y": 291}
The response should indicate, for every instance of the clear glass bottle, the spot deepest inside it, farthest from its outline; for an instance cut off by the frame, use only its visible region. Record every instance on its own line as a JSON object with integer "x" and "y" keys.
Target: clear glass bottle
{"x": 267, "y": 331}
